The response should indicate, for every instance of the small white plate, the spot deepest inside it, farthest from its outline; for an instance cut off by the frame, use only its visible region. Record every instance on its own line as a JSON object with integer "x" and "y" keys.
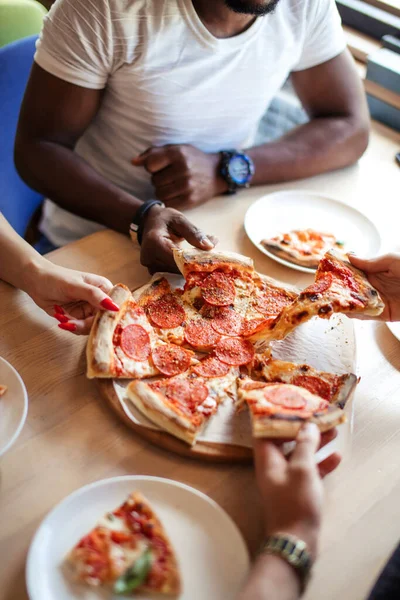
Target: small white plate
{"x": 394, "y": 328}
{"x": 212, "y": 555}
{"x": 13, "y": 406}
{"x": 284, "y": 211}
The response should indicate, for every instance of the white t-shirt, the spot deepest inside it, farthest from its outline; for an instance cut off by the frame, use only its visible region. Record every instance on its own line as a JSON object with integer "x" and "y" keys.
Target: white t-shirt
{"x": 168, "y": 80}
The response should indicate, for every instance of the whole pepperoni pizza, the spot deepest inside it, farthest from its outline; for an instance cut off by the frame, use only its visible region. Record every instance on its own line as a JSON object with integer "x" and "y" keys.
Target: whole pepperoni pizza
{"x": 188, "y": 349}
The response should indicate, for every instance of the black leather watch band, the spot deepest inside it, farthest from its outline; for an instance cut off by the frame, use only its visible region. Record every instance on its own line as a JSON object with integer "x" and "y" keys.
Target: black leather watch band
{"x": 139, "y": 219}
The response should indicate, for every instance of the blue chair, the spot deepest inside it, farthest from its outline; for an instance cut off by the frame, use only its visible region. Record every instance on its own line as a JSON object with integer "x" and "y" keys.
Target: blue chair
{"x": 17, "y": 201}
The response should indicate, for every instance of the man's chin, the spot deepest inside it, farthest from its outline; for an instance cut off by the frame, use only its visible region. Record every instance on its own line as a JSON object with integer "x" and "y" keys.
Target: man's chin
{"x": 257, "y": 8}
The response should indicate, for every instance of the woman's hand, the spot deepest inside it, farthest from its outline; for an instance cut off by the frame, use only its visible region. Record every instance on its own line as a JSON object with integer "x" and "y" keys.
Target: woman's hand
{"x": 72, "y": 297}
{"x": 164, "y": 228}
{"x": 383, "y": 273}
{"x": 291, "y": 487}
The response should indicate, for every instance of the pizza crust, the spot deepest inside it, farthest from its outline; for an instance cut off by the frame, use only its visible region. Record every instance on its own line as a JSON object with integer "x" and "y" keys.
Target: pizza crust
{"x": 267, "y": 427}
{"x": 201, "y": 260}
{"x": 290, "y": 255}
{"x": 151, "y": 404}
{"x": 100, "y": 349}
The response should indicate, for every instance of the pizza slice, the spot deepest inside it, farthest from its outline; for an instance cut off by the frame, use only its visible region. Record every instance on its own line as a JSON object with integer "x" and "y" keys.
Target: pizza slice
{"x": 128, "y": 550}
{"x": 268, "y": 300}
{"x": 278, "y": 410}
{"x": 124, "y": 344}
{"x": 216, "y": 279}
{"x": 304, "y": 247}
{"x": 183, "y": 405}
{"x": 329, "y": 386}
{"x": 339, "y": 287}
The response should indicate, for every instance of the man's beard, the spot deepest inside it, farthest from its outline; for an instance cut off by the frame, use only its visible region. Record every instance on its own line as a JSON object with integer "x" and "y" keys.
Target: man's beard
{"x": 251, "y": 7}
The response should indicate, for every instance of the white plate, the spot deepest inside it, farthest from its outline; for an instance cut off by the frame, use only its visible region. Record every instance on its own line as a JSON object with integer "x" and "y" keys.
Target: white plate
{"x": 13, "y": 406}
{"x": 211, "y": 551}
{"x": 394, "y": 328}
{"x": 281, "y": 212}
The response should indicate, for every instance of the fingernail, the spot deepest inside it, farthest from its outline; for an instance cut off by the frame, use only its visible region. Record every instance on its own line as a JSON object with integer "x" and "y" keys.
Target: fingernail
{"x": 307, "y": 429}
{"x": 61, "y": 318}
{"x": 58, "y": 309}
{"x": 67, "y": 326}
{"x": 352, "y": 252}
{"x": 206, "y": 242}
{"x": 108, "y": 304}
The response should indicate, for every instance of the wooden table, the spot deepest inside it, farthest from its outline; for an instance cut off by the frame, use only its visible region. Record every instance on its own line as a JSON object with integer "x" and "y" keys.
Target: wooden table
{"x": 71, "y": 438}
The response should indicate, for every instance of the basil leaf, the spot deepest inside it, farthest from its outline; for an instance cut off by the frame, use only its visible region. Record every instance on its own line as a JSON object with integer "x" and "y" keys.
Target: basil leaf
{"x": 339, "y": 243}
{"x": 135, "y": 575}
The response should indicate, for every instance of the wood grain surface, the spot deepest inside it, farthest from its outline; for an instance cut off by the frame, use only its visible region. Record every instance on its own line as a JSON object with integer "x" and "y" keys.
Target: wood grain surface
{"x": 71, "y": 436}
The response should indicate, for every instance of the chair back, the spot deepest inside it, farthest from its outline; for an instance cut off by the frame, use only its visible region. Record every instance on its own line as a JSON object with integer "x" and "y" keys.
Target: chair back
{"x": 17, "y": 201}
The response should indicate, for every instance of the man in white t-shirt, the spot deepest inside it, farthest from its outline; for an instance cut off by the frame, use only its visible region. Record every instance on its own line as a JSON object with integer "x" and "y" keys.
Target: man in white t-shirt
{"x": 141, "y": 100}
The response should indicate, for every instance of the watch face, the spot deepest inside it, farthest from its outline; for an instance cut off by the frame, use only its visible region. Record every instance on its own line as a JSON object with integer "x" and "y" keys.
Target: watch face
{"x": 239, "y": 169}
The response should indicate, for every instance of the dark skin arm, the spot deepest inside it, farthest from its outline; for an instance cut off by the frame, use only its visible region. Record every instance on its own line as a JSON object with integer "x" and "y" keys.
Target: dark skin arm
{"x": 54, "y": 115}
{"x": 336, "y": 136}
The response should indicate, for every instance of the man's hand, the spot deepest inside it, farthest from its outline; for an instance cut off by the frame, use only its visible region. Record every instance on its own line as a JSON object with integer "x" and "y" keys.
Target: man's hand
{"x": 383, "y": 273}
{"x": 164, "y": 228}
{"x": 182, "y": 175}
{"x": 291, "y": 487}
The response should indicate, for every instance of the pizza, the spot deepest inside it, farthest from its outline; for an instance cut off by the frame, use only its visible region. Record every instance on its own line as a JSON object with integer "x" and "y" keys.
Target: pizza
{"x": 304, "y": 247}
{"x": 339, "y": 287}
{"x": 279, "y": 410}
{"x": 129, "y": 551}
{"x": 183, "y": 405}
{"x": 3, "y": 389}
{"x": 124, "y": 344}
{"x": 205, "y": 341}
{"x": 329, "y": 386}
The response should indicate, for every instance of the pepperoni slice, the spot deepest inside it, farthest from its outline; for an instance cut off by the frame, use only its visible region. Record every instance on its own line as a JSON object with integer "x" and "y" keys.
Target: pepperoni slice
{"x": 166, "y": 312}
{"x": 211, "y": 367}
{"x": 320, "y": 286}
{"x": 253, "y": 325}
{"x": 201, "y": 335}
{"x": 314, "y": 385}
{"x": 135, "y": 342}
{"x": 187, "y": 392}
{"x": 273, "y": 301}
{"x": 288, "y": 398}
{"x": 234, "y": 351}
{"x": 218, "y": 289}
{"x": 227, "y": 321}
{"x": 171, "y": 360}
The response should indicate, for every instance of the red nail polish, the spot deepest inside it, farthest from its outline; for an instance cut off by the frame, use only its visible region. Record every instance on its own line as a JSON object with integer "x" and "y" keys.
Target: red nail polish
{"x": 61, "y": 318}
{"x": 58, "y": 309}
{"x": 67, "y": 326}
{"x": 108, "y": 304}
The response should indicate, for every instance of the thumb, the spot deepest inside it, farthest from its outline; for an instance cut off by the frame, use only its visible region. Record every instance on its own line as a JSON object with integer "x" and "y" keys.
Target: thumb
{"x": 192, "y": 234}
{"x": 371, "y": 265}
{"x": 307, "y": 443}
{"x": 139, "y": 161}
{"x": 96, "y": 298}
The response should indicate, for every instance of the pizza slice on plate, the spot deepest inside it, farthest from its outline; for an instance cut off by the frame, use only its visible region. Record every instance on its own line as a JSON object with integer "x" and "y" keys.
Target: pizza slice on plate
{"x": 329, "y": 386}
{"x": 278, "y": 410}
{"x": 339, "y": 287}
{"x": 128, "y": 550}
{"x": 304, "y": 247}
{"x": 124, "y": 344}
{"x": 183, "y": 405}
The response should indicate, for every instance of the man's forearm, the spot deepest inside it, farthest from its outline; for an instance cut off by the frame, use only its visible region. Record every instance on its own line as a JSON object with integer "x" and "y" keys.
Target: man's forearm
{"x": 271, "y": 578}
{"x": 323, "y": 144}
{"x": 58, "y": 173}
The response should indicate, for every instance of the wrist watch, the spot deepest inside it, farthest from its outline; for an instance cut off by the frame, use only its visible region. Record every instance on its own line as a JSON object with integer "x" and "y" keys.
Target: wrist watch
{"x": 294, "y": 551}
{"x": 237, "y": 169}
{"x": 138, "y": 221}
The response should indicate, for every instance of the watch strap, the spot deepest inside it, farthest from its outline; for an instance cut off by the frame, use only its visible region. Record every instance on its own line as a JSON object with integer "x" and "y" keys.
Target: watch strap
{"x": 138, "y": 221}
{"x": 294, "y": 551}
